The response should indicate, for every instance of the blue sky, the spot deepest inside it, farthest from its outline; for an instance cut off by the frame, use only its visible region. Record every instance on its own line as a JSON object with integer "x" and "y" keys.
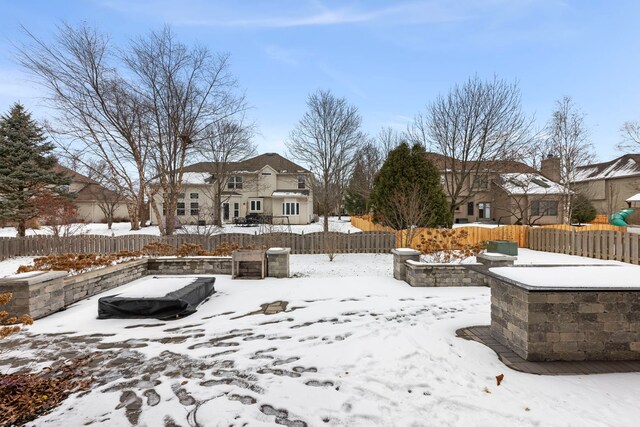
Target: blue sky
{"x": 389, "y": 58}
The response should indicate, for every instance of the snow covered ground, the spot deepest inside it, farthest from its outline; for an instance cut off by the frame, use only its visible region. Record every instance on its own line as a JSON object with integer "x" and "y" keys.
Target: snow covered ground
{"x": 354, "y": 347}
{"x": 342, "y": 225}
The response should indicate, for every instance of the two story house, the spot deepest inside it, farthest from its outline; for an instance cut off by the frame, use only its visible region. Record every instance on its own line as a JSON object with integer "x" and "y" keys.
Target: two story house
{"x": 506, "y": 192}
{"x": 268, "y": 184}
{"x": 610, "y": 185}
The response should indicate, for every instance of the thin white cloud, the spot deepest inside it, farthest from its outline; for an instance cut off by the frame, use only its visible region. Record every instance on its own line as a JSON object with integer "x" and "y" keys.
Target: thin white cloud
{"x": 203, "y": 14}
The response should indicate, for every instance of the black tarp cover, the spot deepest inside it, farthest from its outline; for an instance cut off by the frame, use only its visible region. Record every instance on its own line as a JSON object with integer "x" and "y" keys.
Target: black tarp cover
{"x": 173, "y": 305}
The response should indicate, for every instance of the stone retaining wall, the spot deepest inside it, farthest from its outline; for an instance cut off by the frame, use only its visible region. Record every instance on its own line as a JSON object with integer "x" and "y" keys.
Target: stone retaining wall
{"x": 419, "y": 274}
{"x": 566, "y": 324}
{"x": 41, "y": 294}
{"x": 192, "y": 265}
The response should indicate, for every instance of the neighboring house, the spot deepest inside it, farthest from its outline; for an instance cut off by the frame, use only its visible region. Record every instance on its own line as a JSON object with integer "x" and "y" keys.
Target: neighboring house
{"x": 508, "y": 192}
{"x": 610, "y": 184}
{"x": 268, "y": 184}
{"x": 92, "y": 199}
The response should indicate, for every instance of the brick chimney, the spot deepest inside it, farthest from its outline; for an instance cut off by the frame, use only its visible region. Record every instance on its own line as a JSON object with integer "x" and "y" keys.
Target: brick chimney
{"x": 550, "y": 167}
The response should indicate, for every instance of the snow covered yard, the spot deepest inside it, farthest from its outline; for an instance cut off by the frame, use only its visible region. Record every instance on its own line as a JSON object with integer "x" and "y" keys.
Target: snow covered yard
{"x": 342, "y": 225}
{"x": 353, "y": 347}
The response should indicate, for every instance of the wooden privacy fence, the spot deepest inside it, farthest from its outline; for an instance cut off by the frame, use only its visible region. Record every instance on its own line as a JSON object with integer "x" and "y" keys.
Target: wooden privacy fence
{"x": 476, "y": 234}
{"x": 311, "y": 243}
{"x": 600, "y": 244}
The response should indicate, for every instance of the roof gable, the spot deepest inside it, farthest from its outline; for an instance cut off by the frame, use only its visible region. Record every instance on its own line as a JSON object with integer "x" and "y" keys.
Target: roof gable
{"x": 277, "y": 162}
{"x": 627, "y": 165}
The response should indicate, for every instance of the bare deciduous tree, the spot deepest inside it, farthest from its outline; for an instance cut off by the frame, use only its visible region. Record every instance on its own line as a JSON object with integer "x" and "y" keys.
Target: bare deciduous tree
{"x": 569, "y": 140}
{"x": 387, "y": 139}
{"x": 226, "y": 143}
{"x": 326, "y": 140}
{"x": 141, "y": 109}
{"x": 186, "y": 91}
{"x": 630, "y": 133}
{"x": 101, "y": 115}
{"x": 409, "y": 206}
{"x": 475, "y": 123}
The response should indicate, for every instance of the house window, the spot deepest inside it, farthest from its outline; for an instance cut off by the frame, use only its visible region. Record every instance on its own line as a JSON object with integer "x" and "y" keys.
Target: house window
{"x": 291, "y": 208}
{"x": 481, "y": 183}
{"x": 236, "y": 210}
{"x": 180, "y": 211}
{"x": 193, "y": 196}
{"x": 266, "y": 173}
{"x": 225, "y": 211}
{"x": 195, "y": 209}
{"x": 234, "y": 182}
{"x": 302, "y": 183}
{"x": 469, "y": 208}
{"x": 180, "y": 196}
{"x": 544, "y": 207}
{"x": 255, "y": 205}
{"x": 484, "y": 210}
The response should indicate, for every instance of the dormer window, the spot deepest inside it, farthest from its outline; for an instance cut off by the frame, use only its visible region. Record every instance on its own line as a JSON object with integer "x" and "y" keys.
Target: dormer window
{"x": 302, "y": 183}
{"x": 234, "y": 182}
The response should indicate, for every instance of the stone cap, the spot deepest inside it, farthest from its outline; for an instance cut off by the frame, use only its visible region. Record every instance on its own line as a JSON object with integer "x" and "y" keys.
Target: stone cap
{"x": 405, "y": 251}
{"x": 494, "y": 256}
{"x": 33, "y": 277}
{"x": 278, "y": 251}
{"x": 422, "y": 264}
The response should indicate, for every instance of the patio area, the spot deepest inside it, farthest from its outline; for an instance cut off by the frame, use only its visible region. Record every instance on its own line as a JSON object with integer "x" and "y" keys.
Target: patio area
{"x": 341, "y": 343}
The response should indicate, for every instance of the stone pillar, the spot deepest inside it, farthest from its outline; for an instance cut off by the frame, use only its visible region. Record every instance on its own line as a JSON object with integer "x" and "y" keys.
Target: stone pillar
{"x": 278, "y": 262}
{"x": 37, "y": 294}
{"x": 401, "y": 255}
{"x": 495, "y": 260}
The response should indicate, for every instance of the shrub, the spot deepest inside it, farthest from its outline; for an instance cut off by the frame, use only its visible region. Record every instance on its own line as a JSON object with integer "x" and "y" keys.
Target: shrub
{"x": 448, "y": 245}
{"x": 583, "y": 210}
{"x": 13, "y": 324}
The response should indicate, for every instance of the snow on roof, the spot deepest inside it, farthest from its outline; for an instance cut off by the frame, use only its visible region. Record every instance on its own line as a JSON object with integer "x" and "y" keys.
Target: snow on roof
{"x": 529, "y": 183}
{"x": 634, "y": 198}
{"x": 196, "y": 178}
{"x": 290, "y": 193}
{"x": 627, "y": 165}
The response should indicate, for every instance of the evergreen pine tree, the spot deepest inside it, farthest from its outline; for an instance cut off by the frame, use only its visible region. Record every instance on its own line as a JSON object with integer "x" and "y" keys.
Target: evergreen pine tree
{"x": 407, "y": 191}
{"x": 583, "y": 210}
{"x": 26, "y": 167}
{"x": 355, "y": 202}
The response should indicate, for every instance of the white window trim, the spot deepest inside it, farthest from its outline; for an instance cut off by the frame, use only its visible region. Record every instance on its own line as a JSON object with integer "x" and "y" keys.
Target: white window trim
{"x": 251, "y": 205}
{"x": 295, "y": 204}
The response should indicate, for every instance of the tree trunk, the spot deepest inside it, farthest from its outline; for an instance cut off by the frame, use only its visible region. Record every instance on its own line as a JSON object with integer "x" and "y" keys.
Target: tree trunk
{"x": 325, "y": 221}
{"x": 22, "y": 227}
{"x": 217, "y": 204}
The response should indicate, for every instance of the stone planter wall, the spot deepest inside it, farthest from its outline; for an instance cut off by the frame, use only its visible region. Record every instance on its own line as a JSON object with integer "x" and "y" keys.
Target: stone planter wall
{"x": 420, "y": 274}
{"x": 192, "y": 265}
{"x": 84, "y": 285}
{"x": 566, "y": 324}
{"x": 41, "y": 294}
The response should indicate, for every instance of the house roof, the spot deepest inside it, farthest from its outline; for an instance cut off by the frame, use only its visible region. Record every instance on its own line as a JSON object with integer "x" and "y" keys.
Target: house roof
{"x": 275, "y": 160}
{"x": 502, "y": 166}
{"x": 90, "y": 188}
{"x": 624, "y": 166}
{"x": 634, "y": 198}
{"x": 520, "y": 184}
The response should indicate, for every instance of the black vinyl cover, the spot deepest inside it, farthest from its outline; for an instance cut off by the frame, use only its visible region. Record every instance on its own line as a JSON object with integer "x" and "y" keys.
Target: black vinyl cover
{"x": 173, "y": 305}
